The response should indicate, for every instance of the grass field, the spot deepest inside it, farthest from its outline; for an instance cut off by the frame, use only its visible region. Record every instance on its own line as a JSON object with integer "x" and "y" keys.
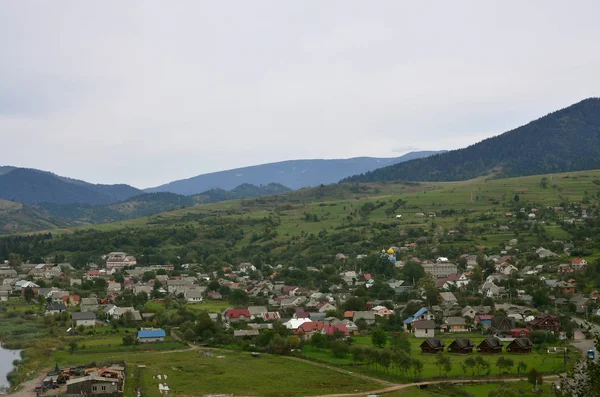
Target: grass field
{"x": 521, "y": 388}
{"x": 543, "y": 362}
{"x": 191, "y": 373}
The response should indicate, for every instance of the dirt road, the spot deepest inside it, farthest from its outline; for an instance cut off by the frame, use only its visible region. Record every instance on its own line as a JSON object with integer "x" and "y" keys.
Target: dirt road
{"x": 27, "y": 389}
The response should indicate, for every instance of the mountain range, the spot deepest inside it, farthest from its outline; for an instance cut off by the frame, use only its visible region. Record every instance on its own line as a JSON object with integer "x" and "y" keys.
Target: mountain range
{"x": 295, "y": 174}
{"x": 562, "y": 141}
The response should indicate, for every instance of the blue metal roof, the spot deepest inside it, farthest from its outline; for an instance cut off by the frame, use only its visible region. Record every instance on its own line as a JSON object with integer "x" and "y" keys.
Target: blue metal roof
{"x": 421, "y": 311}
{"x": 154, "y": 333}
{"x": 409, "y": 320}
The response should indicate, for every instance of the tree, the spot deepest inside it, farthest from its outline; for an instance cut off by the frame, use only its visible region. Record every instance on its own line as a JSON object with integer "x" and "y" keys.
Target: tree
{"x": 470, "y": 363}
{"x": 583, "y": 380}
{"x": 239, "y": 298}
{"x": 443, "y": 362}
{"x": 72, "y": 347}
{"x": 189, "y": 335}
{"x": 129, "y": 340}
{"x": 413, "y": 271}
{"x": 521, "y": 367}
{"x": 417, "y": 367}
{"x": 379, "y": 337}
{"x": 535, "y": 378}
{"x": 399, "y": 341}
{"x": 339, "y": 349}
{"x": 504, "y": 364}
{"x": 516, "y": 198}
{"x": 28, "y": 294}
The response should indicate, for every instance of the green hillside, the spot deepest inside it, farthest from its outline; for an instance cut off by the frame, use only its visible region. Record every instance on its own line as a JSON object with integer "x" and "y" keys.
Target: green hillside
{"x": 310, "y": 226}
{"x": 565, "y": 140}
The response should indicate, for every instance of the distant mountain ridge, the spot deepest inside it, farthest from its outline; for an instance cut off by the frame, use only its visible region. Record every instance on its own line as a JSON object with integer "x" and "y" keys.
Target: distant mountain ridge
{"x": 294, "y": 174}
{"x": 29, "y": 186}
{"x": 16, "y": 217}
{"x": 562, "y": 141}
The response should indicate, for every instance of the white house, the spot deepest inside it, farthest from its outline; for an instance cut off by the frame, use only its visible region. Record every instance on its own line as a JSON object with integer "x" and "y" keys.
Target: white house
{"x": 85, "y": 319}
{"x": 424, "y": 328}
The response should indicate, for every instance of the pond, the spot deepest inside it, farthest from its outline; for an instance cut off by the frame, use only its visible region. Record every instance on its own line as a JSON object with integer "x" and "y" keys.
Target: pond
{"x": 6, "y": 359}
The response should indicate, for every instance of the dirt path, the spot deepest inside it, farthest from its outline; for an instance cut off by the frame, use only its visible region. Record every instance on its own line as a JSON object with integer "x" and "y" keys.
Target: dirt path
{"x": 27, "y": 389}
{"x": 472, "y": 198}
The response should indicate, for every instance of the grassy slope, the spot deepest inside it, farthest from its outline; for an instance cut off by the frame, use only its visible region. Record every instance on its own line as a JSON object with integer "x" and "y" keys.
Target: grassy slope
{"x": 542, "y": 362}
{"x": 335, "y": 203}
{"x": 191, "y": 373}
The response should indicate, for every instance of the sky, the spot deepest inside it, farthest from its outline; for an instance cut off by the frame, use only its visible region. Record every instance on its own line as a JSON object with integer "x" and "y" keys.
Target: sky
{"x": 146, "y": 92}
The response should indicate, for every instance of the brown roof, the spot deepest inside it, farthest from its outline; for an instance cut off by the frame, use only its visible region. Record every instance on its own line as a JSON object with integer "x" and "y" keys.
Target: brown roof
{"x": 424, "y": 324}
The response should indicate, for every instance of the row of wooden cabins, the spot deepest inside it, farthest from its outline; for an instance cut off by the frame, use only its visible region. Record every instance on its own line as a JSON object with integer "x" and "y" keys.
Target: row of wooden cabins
{"x": 490, "y": 345}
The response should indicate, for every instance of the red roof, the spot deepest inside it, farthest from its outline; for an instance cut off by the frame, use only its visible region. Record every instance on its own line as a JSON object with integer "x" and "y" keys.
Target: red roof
{"x": 236, "y": 313}
{"x": 309, "y": 326}
{"x": 367, "y": 276}
{"x": 577, "y": 261}
{"x": 93, "y": 272}
{"x": 288, "y": 288}
{"x": 330, "y": 329}
{"x": 349, "y": 314}
{"x": 302, "y": 315}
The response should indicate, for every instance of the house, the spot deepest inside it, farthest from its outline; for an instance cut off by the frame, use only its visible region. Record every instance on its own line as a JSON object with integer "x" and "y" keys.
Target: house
{"x": 424, "y": 328}
{"x": 456, "y": 324}
{"x": 236, "y": 315}
{"x": 324, "y": 307}
{"x": 113, "y": 286}
{"x": 447, "y": 299}
{"x": 241, "y": 333}
{"x": 491, "y": 345}
{"x": 579, "y": 264}
{"x": 332, "y": 329}
{"x": 484, "y": 319}
{"x": 422, "y": 314}
{"x": 469, "y": 312}
{"x": 368, "y": 316}
{"x": 544, "y": 253}
{"x": 432, "y": 346}
{"x": 438, "y": 270}
{"x": 502, "y": 325}
{"x": 544, "y": 322}
{"x": 564, "y": 268}
{"x": 519, "y": 333}
{"x": 8, "y": 272}
{"x": 193, "y": 295}
{"x": 461, "y": 346}
{"x": 257, "y": 311}
{"x": 89, "y": 304}
{"x": 119, "y": 260}
{"x": 491, "y": 290}
{"x": 382, "y": 311}
{"x": 214, "y": 295}
{"x": 83, "y": 319}
{"x": 520, "y": 345}
{"x": 92, "y": 274}
{"x": 151, "y": 335}
{"x": 55, "y": 308}
{"x": 294, "y": 323}
{"x": 94, "y": 384}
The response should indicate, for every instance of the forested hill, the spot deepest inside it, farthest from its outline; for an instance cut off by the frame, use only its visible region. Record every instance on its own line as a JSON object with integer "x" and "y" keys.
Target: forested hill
{"x": 30, "y": 186}
{"x": 566, "y": 140}
{"x": 294, "y": 174}
{"x": 16, "y": 217}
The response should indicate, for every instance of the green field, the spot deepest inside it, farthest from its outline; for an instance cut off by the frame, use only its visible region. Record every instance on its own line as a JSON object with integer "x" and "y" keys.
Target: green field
{"x": 543, "y": 362}
{"x": 237, "y": 373}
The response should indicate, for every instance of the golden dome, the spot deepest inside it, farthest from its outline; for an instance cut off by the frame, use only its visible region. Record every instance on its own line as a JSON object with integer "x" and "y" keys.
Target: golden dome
{"x": 383, "y": 251}
{"x": 391, "y": 251}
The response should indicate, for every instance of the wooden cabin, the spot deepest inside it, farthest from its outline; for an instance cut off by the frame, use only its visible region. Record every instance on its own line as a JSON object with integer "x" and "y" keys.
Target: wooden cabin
{"x": 490, "y": 345}
{"x": 520, "y": 345}
{"x": 432, "y": 346}
{"x": 461, "y": 346}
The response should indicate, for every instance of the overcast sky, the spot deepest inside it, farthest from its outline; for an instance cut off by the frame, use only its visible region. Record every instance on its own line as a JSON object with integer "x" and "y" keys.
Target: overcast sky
{"x": 145, "y": 92}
